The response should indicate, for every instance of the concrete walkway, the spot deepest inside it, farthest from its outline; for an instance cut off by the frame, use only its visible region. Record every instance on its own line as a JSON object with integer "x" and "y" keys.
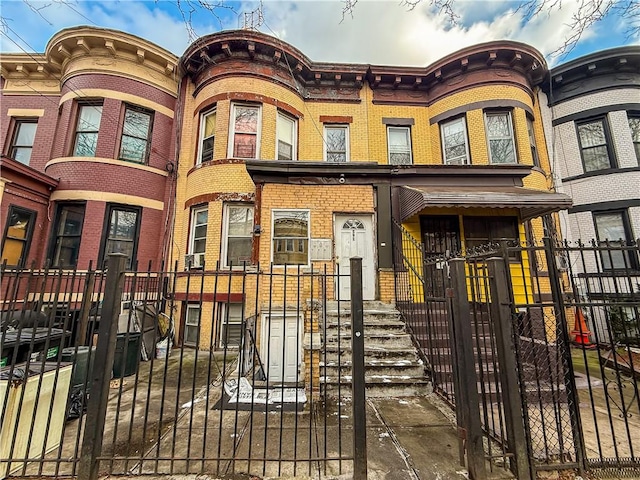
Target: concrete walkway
{"x": 411, "y": 438}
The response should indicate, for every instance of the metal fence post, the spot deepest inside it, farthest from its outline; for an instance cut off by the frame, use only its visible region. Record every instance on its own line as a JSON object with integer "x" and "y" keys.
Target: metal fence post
{"x": 357, "y": 372}
{"x": 501, "y": 317}
{"x": 105, "y": 352}
{"x": 467, "y": 399}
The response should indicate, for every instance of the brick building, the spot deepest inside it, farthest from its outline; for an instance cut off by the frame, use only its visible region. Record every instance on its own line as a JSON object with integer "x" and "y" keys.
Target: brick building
{"x": 87, "y": 150}
{"x": 283, "y": 164}
{"x": 594, "y": 133}
{"x": 292, "y": 164}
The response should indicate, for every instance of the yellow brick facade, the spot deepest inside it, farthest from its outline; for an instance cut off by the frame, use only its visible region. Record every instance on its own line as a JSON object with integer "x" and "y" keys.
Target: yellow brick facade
{"x": 353, "y": 98}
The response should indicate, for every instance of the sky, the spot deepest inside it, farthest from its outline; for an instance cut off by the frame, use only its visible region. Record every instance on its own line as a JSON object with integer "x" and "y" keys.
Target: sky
{"x": 378, "y": 32}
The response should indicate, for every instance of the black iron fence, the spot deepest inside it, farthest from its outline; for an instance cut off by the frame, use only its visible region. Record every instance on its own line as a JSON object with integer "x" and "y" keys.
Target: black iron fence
{"x": 536, "y": 346}
{"x": 216, "y": 371}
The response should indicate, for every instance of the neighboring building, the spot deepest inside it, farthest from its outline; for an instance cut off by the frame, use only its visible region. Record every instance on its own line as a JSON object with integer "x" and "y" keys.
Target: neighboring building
{"x": 87, "y": 150}
{"x": 595, "y": 140}
{"x": 593, "y": 131}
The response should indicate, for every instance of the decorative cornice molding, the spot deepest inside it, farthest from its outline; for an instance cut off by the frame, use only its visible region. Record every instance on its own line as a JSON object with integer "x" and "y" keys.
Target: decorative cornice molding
{"x": 248, "y": 53}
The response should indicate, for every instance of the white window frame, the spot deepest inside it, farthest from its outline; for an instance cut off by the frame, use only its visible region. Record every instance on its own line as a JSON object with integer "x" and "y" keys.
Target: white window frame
{"x": 232, "y": 132}
{"x": 203, "y": 119}
{"x": 280, "y": 125}
{"x": 223, "y": 308}
{"x": 272, "y": 240}
{"x": 187, "y": 325}
{"x": 225, "y": 232}
{"x": 467, "y": 157}
{"x": 336, "y": 126}
{"x": 407, "y": 130}
{"x": 193, "y": 225}
{"x": 511, "y": 136}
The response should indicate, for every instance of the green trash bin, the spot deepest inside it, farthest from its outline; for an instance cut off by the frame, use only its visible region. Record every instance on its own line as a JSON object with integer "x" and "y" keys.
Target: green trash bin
{"x": 123, "y": 367}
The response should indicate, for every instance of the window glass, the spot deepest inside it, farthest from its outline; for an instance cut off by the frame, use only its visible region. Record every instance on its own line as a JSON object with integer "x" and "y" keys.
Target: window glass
{"x": 399, "y": 139}
{"x": 500, "y": 137}
{"x": 24, "y": 136}
{"x": 231, "y": 324}
{"x": 291, "y": 237}
{"x": 207, "y": 128}
{"x": 191, "y": 325}
{"x": 245, "y": 131}
{"x": 286, "y": 131}
{"x": 17, "y": 235}
{"x": 611, "y": 228}
{"x": 532, "y": 142}
{"x": 122, "y": 233}
{"x": 239, "y": 229}
{"x": 593, "y": 144}
{"x": 87, "y": 130}
{"x": 336, "y": 138}
{"x": 634, "y": 126}
{"x": 454, "y": 142}
{"x": 135, "y": 135}
{"x": 67, "y": 235}
{"x": 198, "y": 237}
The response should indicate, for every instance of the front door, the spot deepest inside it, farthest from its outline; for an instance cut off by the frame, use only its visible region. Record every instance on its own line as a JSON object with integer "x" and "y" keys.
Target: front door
{"x": 282, "y": 338}
{"x": 354, "y": 238}
{"x": 441, "y": 238}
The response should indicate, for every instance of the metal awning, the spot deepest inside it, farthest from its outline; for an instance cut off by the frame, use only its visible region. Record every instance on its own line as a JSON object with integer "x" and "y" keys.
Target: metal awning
{"x": 531, "y": 203}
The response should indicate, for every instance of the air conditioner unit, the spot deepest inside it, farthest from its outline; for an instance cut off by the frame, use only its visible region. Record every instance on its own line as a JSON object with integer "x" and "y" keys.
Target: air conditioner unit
{"x": 193, "y": 260}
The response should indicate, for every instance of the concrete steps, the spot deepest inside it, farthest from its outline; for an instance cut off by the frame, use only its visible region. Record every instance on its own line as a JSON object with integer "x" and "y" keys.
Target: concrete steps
{"x": 392, "y": 365}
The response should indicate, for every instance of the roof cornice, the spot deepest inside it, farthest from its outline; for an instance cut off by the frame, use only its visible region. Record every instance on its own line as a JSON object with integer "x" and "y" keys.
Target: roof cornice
{"x": 603, "y": 70}
{"x": 246, "y": 52}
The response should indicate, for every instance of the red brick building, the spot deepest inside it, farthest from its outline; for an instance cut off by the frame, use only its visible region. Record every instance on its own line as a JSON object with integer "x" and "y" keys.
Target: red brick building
{"x": 87, "y": 150}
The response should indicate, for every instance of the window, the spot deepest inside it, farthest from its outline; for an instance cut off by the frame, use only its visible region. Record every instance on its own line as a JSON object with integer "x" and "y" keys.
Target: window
{"x": 500, "y": 137}
{"x": 87, "y": 130}
{"x": 455, "y": 149}
{"x": 613, "y": 227}
{"x": 336, "y": 143}
{"x": 594, "y": 145}
{"x": 286, "y": 131}
{"x": 230, "y": 321}
{"x": 121, "y": 232}
{"x": 634, "y": 126}
{"x": 22, "y": 143}
{"x": 136, "y": 134}
{"x": 399, "y": 140}
{"x": 290, "y": 237}
{"x": 198, "y": 230}
{"x": 532, "y": 143}
{"x": 67, "y": 232}
{"x": 245, "y": 127}
{"x": 207, "y": 134}
{"x": 238, "y": 232}
{"x": 191, "y": 325}
{"x": 17, "y": 235}
{"x": 483, "y": 230}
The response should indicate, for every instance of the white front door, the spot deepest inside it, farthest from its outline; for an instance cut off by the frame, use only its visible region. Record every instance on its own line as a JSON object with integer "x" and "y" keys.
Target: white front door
{"x": 354, "y": 238}
{"x": 281, "y": 348}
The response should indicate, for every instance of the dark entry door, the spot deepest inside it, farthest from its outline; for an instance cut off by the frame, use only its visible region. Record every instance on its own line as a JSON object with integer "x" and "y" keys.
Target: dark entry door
{"x": 441, "y": 237}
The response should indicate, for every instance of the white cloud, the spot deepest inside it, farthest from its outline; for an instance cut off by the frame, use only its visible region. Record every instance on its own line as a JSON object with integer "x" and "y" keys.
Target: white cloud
{"x": 379, "y": 32}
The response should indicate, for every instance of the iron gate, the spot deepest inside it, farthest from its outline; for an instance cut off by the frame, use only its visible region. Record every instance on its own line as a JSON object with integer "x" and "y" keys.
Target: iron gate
{"x": 536, "y": 346}
{"x": 215, "y": 371}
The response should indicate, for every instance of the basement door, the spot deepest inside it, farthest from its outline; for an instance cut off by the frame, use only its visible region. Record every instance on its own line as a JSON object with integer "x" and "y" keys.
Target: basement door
{"x": 354, "y": 238}
{"x": 281, "y": 348}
